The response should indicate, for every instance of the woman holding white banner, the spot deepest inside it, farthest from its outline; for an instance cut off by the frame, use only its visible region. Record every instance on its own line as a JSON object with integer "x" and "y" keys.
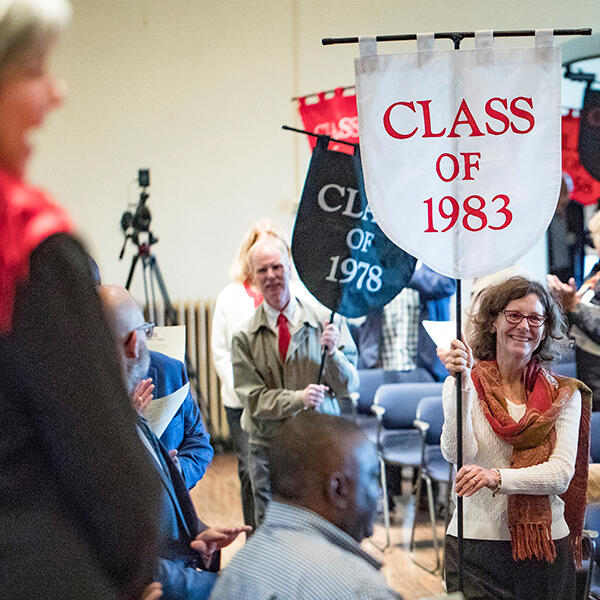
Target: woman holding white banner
{"x": 525, "y": 445}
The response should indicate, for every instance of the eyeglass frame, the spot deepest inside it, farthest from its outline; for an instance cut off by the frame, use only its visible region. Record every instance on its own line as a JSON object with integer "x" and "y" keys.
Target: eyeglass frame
{"x": 536, "y": 316}
{"x": 147, "y": 328}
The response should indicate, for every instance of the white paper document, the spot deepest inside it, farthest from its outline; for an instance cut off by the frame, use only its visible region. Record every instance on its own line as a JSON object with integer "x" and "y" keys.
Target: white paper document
{"x": 441, "y": 332}
{"x": 160, "y": 411}
{"x": 169, "y": 341}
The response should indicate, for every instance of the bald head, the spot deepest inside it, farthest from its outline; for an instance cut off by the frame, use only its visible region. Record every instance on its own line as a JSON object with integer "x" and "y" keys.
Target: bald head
{"x": 270, "y": 244}
{"x": 326, "y": 464}
{"x": 122, "y": 310}
{"x": 124, "y": 317}
{"x": 271, "y": 269}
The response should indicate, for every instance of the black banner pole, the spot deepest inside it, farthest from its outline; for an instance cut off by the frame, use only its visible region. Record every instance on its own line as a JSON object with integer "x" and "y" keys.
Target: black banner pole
{"x": 314, "y": 95}
{"x": 457, "y": 39}
{"x": 455, "y": 35}
{"x": 459, "y": 422}
{"x": 459, "y": 442}
{"x": 288, "y": 128}
{"x": 325, "y": 350}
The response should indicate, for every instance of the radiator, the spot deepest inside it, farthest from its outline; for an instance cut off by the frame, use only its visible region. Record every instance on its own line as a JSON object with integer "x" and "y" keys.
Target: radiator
{"x": 205, "y": 384}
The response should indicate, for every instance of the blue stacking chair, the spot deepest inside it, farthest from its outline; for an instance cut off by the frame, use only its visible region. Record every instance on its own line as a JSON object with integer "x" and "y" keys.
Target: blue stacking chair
{"x": 433, "y": 467}
{"x": 398, "y": 441}
{"x": 369, "y": 382}
{"x": 595, "y": 438}
{"x": 592, "y": 522}
{"x": 591, "y": 565}
{"x": 566, "y": 369}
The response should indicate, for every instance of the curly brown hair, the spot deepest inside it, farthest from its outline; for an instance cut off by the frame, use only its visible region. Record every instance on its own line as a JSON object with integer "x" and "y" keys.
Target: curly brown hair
{"x": 494, "y": 300}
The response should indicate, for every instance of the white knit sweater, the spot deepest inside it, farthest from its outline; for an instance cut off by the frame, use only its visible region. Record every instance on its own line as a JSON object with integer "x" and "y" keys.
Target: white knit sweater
{"x": 485, "y": 517}
{"x": 233, "y": 308}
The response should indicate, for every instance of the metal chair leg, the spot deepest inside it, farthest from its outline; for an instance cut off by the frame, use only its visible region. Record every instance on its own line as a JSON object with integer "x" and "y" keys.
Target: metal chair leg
{"x": 431, "y": 503}
{"x": 431, "y": 507}
{"x": 447, "y": 518}
{"x": 417, "y": 496}
{"x": 588, "y": 579}
{"x": 386, "y": 507}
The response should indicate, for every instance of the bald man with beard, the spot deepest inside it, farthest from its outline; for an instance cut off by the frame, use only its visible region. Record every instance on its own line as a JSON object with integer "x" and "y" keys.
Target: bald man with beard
{"x": 325, "y": 483}
{"x": 151, "y": 373}
{"x": 189, "y": 557}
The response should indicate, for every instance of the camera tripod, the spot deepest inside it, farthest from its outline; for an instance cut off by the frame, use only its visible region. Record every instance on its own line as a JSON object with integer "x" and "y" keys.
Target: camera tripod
{"x": 134, "y": 225}
{"x": 152, "y": 277}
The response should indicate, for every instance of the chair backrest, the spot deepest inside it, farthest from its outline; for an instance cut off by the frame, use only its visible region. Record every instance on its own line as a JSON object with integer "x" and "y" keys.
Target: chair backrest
{"x": 595, "y": 438}
{"x": 592, "y": 516}
{"x": 430, "y": 410}
{"x": 566, "y": 369}
{"x": 417, "y": 375}
{"x": 400, "y": 401}
{"x": 369, "y": 381}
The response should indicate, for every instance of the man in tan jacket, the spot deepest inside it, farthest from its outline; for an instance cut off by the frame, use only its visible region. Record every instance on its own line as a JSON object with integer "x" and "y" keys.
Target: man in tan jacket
{"x": 276, "y": 359}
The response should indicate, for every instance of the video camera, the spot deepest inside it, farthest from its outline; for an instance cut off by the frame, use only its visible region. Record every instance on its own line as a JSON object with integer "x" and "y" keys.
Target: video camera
{"x": 137, "y": 222}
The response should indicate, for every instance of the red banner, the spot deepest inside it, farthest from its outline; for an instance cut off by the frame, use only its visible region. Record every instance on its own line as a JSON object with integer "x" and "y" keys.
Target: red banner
{"x": 335, "y": 116}
{"x": 586, "y": 190}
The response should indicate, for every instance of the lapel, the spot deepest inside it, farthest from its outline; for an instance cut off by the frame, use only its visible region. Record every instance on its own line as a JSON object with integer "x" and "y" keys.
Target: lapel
{"x": 182, "y": 501}
{"x": 298, "y": 336}
{"x": 307, "y": 319}
{"x": 153, "y": 374}
{"x": 173, "y": 482}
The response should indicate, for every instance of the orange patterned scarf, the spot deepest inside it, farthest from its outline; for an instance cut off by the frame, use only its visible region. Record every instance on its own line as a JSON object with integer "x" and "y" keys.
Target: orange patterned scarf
{"x": 533, "y": 439}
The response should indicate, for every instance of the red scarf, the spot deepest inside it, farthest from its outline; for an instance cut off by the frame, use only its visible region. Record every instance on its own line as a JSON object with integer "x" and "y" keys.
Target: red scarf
{"x": 533, "y": 439}
{"x": 27, "y": 218}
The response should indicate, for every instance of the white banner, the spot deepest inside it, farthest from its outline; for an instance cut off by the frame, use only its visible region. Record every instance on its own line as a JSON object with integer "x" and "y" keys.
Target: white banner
{"x": 461, "y": 149}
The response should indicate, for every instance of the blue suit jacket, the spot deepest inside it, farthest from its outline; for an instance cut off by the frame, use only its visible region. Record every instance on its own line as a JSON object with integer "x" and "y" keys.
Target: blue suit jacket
{"x": 178, "y": 526}
{"x": 434, "y": 291}
{"x": 185, "y": 432}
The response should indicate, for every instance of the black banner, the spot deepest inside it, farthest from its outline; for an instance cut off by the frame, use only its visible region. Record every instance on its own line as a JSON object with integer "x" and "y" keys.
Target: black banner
{"x": 589, "y": 133}
{"x": 340, "y": 253}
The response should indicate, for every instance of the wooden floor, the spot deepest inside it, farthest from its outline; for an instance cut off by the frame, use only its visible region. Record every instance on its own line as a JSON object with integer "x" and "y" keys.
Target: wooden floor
{"x": 217, "y": 500}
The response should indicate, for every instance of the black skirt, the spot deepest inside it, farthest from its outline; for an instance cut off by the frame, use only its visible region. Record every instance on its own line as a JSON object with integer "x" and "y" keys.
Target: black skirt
{"x": 490, "y": 572}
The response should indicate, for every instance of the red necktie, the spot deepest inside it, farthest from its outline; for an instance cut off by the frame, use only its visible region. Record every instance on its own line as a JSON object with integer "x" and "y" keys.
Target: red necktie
{"x": 284, "y": 336}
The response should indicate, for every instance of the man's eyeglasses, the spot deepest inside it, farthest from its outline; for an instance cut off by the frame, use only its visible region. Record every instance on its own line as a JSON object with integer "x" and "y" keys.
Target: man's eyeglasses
{"x": 147, "y": 328}
{"x": 515, "y": 317}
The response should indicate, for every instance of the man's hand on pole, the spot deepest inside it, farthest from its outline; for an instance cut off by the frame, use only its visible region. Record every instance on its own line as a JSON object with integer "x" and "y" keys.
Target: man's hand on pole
{"x": 330, "y": 338}
{"x": 313, "y": 395}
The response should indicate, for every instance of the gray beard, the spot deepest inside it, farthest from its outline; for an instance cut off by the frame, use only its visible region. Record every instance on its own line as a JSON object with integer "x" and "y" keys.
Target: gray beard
{"x": 135, "y": 369}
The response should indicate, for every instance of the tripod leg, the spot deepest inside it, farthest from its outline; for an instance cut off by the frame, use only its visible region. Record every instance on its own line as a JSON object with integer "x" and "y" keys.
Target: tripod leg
{"x": 134, "y": 260}
{"x": 172, "y": 318}
{"x": 171, "y": 312}
{"x": 147, "y": 272}
{"x": 151, "y": 260}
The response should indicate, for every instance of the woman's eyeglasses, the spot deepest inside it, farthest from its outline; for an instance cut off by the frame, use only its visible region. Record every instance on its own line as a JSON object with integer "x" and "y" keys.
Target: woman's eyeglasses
{"x": 515, "y": 317}
{"x": 147, "y": 328}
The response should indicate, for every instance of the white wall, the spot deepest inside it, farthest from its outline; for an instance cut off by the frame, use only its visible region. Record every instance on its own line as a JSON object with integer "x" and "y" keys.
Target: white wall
{"x": 197, "y": 90}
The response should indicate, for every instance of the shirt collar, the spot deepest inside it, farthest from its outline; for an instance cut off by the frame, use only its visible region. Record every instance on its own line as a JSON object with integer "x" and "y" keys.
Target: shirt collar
{"x": 303, "y": 314}
{"x": 284, "y": 515}
{"x": 290, "y": 312}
